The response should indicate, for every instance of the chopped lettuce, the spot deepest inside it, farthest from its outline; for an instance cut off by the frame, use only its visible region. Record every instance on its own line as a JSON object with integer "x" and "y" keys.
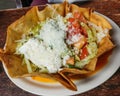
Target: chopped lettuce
{"x": 28, "y": 65}
{"x": 91, "y": 35}
{"x": 33, "y": 68}
{"x": 92, "y": 49}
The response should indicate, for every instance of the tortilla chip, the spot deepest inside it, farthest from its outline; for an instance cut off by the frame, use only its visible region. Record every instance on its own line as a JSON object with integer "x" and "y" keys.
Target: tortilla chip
{"x": 66, "y": 81}
{"x": 74, "y": 71}
{"x": 51, "y": 10}
{"x": 85, "y": 11}
{"x": 13, "y": 64}
{"x": 104, "y": 46}
{"x": 100, "y": 21}
{"x": 92, "y": 65}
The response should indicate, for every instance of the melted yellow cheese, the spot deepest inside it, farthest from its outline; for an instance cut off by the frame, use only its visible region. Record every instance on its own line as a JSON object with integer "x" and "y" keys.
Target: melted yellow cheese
{"x": 43, "y": 79}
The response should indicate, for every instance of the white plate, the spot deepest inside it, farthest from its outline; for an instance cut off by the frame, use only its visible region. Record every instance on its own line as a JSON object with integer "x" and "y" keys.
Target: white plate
{"x": 83, "y": 85}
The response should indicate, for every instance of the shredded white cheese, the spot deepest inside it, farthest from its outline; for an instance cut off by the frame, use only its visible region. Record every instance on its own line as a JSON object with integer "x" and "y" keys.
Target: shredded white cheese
{"x": 101, "y": 33}
{"x": 47, "y": 52}
{"x": 65, "y": 59}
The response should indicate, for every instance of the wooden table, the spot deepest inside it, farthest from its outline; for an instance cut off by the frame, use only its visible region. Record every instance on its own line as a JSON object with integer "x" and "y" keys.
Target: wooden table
{"x": 111, "y": 87}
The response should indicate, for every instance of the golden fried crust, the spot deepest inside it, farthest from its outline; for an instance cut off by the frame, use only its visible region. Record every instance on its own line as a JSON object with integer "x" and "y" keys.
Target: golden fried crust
{"x": 65, "y": 80}
{"x": 85, "y": 11}
{"x": 74, "y": 71}
{"x": 92, "y": 65}
{"x": 104, "y": 46}
{"x": 51, "y": 10}
{"x": 100, "y": 21}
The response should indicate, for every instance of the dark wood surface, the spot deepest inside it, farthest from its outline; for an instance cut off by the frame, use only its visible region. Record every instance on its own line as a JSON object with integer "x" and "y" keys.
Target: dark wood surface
{"x": 111, "y": 87}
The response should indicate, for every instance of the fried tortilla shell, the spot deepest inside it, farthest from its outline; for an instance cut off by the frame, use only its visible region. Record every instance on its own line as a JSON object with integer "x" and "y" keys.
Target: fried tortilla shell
{"x": 23, "y": 25}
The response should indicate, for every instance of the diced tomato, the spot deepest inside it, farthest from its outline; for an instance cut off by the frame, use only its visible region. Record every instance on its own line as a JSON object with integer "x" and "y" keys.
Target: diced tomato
{"x": 70, "y": 61}
{"x": 71, "y": 20}
{"x": 74, "y": 28}
{"x": 69, "y": 27}
{"x": 76, "y": 15}
{"x": 80, "y": 17}
{"x": 73, "y": 32}
{"x": 76, "y": 24}
{"x": 84, "y": 53}
{"x": 76, "y": 32}
{"x": 80, "y": 43}
{"x": 84, "y": 32}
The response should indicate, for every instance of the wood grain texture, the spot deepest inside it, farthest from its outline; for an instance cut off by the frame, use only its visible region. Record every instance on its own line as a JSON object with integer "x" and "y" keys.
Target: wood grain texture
{"x": 111, "y": 87}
